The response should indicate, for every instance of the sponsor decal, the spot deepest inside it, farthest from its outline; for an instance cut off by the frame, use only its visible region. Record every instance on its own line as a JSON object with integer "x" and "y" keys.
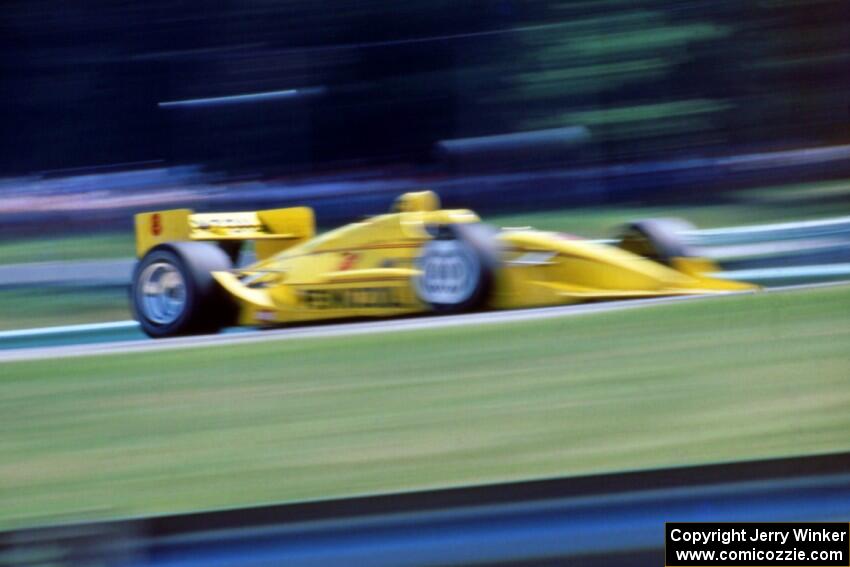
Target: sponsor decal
{"x": 264, "y": 315}
{"x": 397, "y": 262}
{"x": 348, "y": 261}
{"x": 156, "y": 224}
{"x": 375, "y": 297}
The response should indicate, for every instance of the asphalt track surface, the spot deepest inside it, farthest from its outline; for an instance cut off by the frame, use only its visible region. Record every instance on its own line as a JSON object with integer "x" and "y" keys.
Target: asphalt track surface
{"x": 112, "y": 339}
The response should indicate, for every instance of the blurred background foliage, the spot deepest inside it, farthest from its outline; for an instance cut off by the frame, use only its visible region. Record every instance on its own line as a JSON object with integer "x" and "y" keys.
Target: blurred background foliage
{"x": 82, "y": 82}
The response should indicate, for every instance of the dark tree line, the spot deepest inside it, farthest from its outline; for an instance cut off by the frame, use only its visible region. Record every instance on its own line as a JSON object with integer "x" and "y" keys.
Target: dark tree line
{"x": 81, "y": 83}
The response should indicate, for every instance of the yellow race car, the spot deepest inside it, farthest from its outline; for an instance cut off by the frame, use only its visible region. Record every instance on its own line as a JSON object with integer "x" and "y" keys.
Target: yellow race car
{"x": 418, "y": 258}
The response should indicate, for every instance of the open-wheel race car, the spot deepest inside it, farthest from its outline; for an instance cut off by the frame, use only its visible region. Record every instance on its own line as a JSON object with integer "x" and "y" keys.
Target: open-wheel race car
{"x": 418, "y": 258}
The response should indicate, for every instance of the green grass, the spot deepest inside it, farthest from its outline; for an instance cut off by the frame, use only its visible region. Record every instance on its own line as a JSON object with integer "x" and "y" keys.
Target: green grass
{"x": 837, "y": 190}
{"x": 724, "y": 379}
{"x": 78, "y": 247}
{"x": 49, "y": 306}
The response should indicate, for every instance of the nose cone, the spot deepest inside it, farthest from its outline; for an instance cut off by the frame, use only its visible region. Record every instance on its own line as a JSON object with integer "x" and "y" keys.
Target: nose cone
{"x": 593, "y": 265}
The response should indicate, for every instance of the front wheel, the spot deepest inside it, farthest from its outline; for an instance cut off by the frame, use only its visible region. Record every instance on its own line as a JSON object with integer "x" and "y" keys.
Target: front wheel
{"x": 173, "y": 292}
{"x": 456, "y": 268}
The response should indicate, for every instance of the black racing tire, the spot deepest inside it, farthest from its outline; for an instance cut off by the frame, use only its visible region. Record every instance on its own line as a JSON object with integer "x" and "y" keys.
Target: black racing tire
{"x": 660, "y": 239}
{"x": 457, "y": 268}
{"x": 199, "y": 305}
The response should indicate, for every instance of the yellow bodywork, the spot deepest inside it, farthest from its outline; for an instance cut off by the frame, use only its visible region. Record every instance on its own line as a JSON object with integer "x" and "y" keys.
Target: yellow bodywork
{"x": 366, "y": 269}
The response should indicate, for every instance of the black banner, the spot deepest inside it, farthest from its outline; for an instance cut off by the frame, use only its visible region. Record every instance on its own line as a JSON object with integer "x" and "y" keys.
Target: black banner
{"x": 812, "y": 544}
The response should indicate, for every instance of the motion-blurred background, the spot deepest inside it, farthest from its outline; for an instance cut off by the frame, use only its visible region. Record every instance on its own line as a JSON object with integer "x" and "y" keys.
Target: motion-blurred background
{"x": 572, "y": 115}
{"x": 146, "y": 96}
{"x": 380, "y": 83}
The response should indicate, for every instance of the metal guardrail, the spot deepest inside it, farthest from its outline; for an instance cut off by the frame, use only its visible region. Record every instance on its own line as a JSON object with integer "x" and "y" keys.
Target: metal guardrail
{"x": 603, "y": 519}
{"x": 835, "y": 228}
{"x": 78, "y": 273}
{"x": 782, "y": 253}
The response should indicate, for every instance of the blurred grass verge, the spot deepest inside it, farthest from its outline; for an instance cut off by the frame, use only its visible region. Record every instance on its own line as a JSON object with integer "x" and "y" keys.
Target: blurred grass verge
{"x": 71, "y": 247}
{"x": 753, "y": 206}
{"x": 51, "y": 306}
{"x": 733, "y": 378}
{"x": 603, "y": 222}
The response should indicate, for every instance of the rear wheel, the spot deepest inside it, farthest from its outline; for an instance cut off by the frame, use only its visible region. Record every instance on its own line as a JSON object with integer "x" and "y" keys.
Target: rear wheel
{"x": 173, "y": 292}
{"x": 660, "y": 240}
{"x": 457, "y": 268}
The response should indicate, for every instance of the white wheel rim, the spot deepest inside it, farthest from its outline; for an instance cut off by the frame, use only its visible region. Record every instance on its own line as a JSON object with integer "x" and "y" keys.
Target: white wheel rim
{"x": 449, "y": 272}
{"x": 161, "y": 293}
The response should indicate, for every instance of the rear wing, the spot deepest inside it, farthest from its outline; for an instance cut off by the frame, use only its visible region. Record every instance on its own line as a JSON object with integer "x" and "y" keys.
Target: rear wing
{"x": 272, "y": 230}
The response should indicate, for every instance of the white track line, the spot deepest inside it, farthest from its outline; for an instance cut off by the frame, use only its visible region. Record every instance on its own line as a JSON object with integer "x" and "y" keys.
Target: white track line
{"x": 352, "y": 329}
{"x": 68, "y": 329}
{"x": 793, "y": 225}
{"x": 790, "y": 272}
{"x": 755, "y": 275}
{"x": 327, "y": 331}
